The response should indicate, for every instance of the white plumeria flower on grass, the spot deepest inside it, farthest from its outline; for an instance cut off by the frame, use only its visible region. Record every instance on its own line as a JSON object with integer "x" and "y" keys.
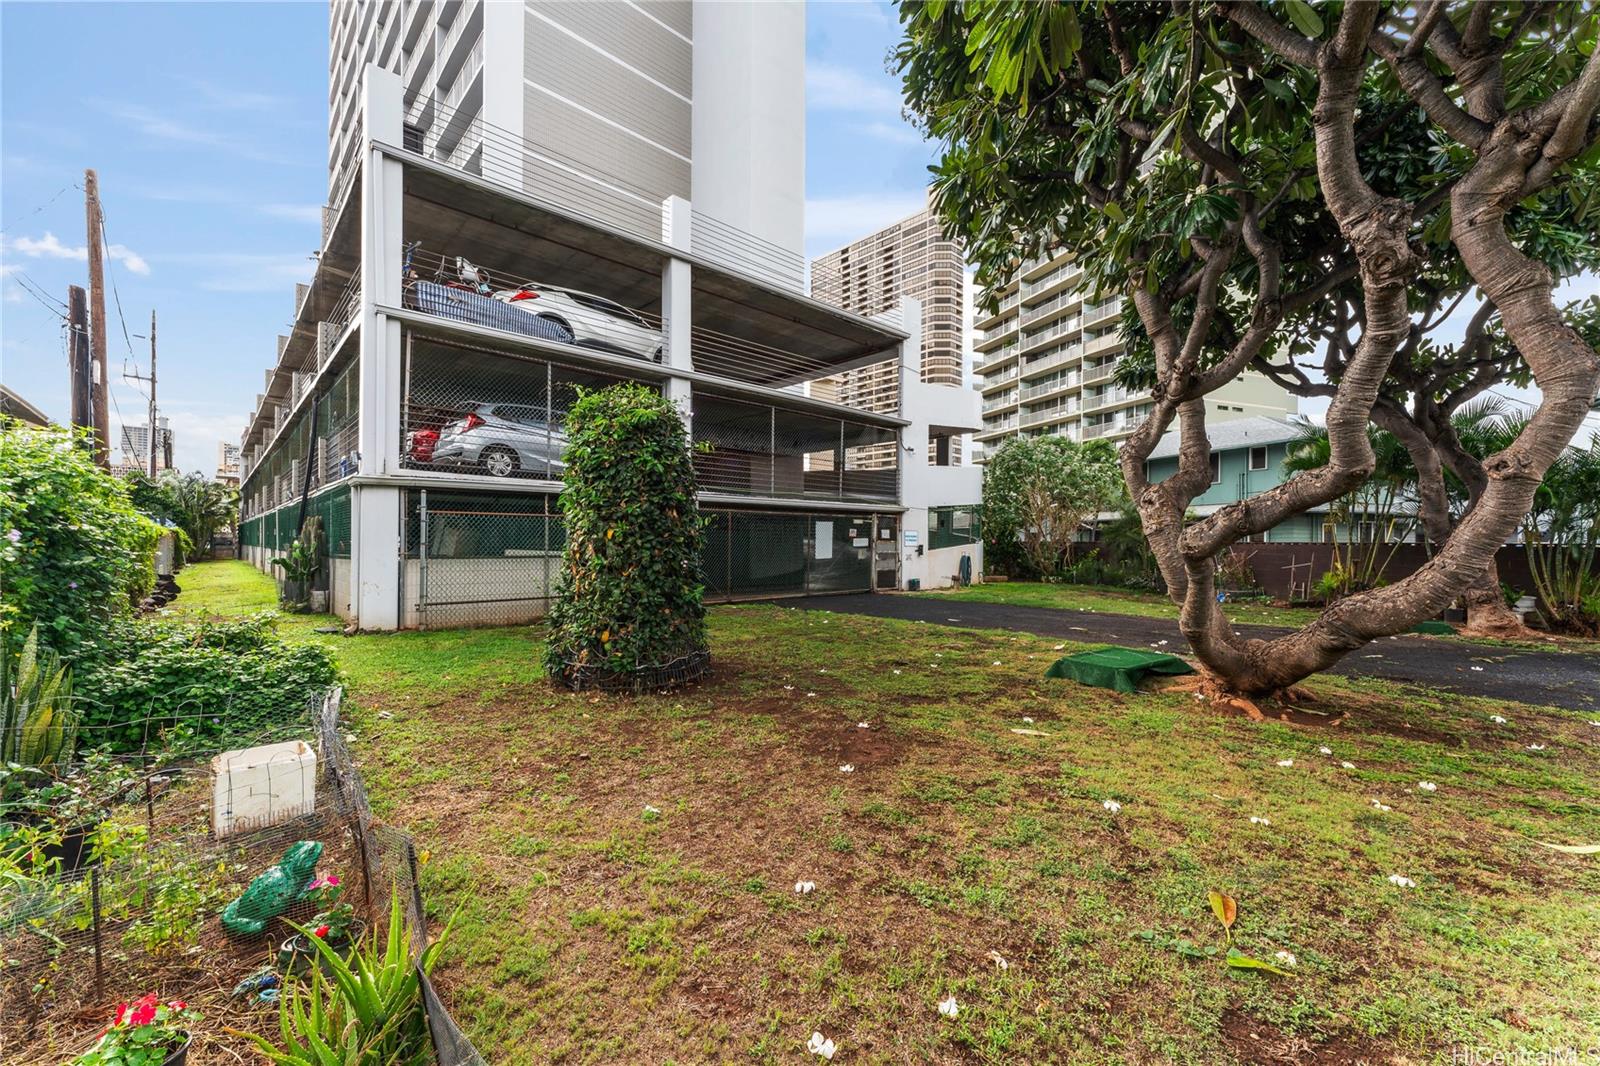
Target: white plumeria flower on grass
{"x": 1497, "y": 719}
{"x": 1286, "y": 958}
{"x": 1382, "y": 807}
{"x": 1286, "y": 762}
{"x": 1427, "y": 786}
{"x": 1112, "y": 805}
{"x": 805, "y": 888}
{"x": 1027, "y": 720}
{"x": 897, "y": 673}
{"x": 999, "y": 961}
{"x": 810, "y": 693}
{"x": 1401, "y": 881}
{"x": 821, "y": 1045}
{"x": 1325, "y": 750}
{"x": 1347, "y": 765}
{"x": 949, "y": 1007}
{"x": 1535, "y": 747}
{"x": 863, "y": 725}
{"x": 1060, "y": 647}
{"x": 1256, "y": 819}
{"x": 651, "y": 810}
{"x": 1478, "y": 669}
{"x": 848, "y": 768}
{"x": 995, "y": 663}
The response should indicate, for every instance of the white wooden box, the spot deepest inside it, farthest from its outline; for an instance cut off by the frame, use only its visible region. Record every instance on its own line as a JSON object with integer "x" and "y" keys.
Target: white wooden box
{"x": 262, "y": 786}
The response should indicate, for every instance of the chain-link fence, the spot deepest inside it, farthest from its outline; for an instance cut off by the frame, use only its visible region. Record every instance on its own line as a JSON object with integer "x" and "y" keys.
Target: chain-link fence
{"x": 130, "y": 902}
{"x": 479, "y": 558}
{"x": 315, "y": 447}
{"x": 277, "y": 528}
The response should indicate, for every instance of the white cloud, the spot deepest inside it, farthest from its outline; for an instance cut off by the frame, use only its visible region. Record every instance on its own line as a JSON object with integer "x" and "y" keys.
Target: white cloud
{"x": 246, "y": 271}
{"x": 835, "y": 88}
{"x": 831, "y": 221}
{"x": 50, "y": 247}
{"x": 294, "y": 212}
{"x": 901, "y": 133}
{"x": 153, "y": 124}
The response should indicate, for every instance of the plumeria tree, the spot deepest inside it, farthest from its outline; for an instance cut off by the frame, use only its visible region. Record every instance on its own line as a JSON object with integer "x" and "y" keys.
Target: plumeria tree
{"x": 1262, "y": 179}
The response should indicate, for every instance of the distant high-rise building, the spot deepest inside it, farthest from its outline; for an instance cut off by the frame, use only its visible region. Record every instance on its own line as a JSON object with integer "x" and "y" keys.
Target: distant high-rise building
{"x": 136, "y": 446}
{"x": 227, "y": 462}
{"x": 911, "y": 258}
{"x": 1047, "y": 359}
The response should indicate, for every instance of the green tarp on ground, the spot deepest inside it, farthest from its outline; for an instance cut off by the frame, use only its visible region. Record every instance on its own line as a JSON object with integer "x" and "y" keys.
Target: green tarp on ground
{"x": 1435, "y": 629}
{"x": 1116, "y": 668}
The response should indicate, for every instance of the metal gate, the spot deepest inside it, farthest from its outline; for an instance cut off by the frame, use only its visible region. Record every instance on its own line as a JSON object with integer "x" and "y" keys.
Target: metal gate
{"x": 480, "y": 559}
{"x": 761, "y": 554}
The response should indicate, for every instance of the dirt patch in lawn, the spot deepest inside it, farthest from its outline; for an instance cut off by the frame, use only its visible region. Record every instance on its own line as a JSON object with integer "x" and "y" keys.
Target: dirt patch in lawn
{"x": 1256, "y": 1043}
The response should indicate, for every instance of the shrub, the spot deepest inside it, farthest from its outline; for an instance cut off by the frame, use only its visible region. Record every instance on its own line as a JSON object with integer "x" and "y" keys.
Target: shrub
{"x": 628, "y": 607}
{"x": 74, "y": 554}
{"x": 197, "y": 684}
{"x": 38, "y": 723}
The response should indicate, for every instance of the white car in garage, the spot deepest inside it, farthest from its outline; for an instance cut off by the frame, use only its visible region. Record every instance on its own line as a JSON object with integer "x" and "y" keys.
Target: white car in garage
{"x": 589, "y": 321}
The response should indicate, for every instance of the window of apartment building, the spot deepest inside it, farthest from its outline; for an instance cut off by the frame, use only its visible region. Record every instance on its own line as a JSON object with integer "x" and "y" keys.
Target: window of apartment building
{"x": 1258, "y": 458}
{"x": 950, "y": 527}
{"x": 1216, "y": 468}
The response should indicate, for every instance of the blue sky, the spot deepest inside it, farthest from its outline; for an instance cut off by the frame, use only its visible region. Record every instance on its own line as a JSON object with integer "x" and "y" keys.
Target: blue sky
{"x": 207, "y": 125}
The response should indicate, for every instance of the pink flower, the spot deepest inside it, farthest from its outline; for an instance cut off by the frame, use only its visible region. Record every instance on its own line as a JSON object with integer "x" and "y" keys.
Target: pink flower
{"x": 332, "y": 880}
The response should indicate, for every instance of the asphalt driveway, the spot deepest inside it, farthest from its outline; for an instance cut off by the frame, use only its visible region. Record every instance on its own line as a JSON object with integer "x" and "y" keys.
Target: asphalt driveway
{"x": 1556, "y": 679}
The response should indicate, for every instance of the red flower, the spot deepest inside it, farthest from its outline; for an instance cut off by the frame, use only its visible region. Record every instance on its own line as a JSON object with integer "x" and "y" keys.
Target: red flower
{"x": 122, "y": 1014}
{"x": 178, "y": 1004}
{"x": 144, "y": 1011}
{"x": 322, "y": 931}
{"x": 332, "y": 880}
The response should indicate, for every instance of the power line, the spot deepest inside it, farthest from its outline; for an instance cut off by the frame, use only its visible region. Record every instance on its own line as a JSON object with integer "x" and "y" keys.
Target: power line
{"x": 41, "y": 207}
{"x": 32, "y": 288}
{"x": 115, "y": 295}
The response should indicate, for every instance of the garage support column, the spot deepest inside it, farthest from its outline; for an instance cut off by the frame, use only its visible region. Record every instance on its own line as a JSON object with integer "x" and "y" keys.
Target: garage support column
{"x": 676, "y": 281}
{"x": 375, "y": 557}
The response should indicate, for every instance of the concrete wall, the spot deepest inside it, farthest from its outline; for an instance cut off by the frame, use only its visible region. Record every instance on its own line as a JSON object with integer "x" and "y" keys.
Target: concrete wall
{"x": 750, "y": 117}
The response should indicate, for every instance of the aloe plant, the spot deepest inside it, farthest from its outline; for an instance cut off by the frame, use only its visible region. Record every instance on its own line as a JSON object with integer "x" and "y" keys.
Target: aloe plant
{"x": 366, "y": 1010}
{"x": 38, "y": 723}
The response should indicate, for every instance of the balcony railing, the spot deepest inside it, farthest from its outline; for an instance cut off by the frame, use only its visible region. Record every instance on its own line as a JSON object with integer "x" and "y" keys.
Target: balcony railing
{"x": 1035, "y": 392}
{"x": 1103, "y": 343}
{"x": 1065, "y": 326}
{"x": 1055, "y": 303}
{"x": 1070, "y": 355}
{"x": 1093, "y": 313}
{"x": 1103, "y": 372}
{"x": 1066, "y": 275}
{"x": 1045, "y": 414}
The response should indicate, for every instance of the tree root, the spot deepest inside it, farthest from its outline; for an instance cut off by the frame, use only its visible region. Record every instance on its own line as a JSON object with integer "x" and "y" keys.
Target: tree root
{"x": 1279, "y": 706}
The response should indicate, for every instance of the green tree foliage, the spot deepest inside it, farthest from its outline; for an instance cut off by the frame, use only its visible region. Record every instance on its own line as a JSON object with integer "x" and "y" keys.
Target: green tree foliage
{"x": 74, "y": 553}
{"x": 1039, "y": 491}
{"x": 629, "y": 593}
{"x": 197, "y": 505}
{"x": 1271, "y": 181}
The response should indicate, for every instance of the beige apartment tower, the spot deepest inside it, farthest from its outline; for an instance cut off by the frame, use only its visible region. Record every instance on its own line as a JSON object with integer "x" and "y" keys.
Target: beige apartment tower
{"x": 911, "y": 258}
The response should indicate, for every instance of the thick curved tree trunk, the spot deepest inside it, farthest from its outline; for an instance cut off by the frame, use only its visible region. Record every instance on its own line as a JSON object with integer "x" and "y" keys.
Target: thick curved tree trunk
{"x": 1514, "y": 156}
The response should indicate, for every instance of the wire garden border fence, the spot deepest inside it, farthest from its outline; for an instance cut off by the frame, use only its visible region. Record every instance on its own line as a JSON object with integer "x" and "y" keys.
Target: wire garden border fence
{"x": 133, "y": 919}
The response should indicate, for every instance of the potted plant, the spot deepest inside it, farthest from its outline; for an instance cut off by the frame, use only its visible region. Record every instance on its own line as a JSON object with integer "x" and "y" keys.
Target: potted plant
{"x": 300, "y": 565}
{"x": 334, "y": 923}
{"x": 147, "y": 1032}
{"x": 69, "y": 808}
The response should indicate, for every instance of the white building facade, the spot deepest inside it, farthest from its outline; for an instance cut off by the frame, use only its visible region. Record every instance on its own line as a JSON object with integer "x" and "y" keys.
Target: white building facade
{"x": 416, "y": 407}
{"x": 1047, "y": 359}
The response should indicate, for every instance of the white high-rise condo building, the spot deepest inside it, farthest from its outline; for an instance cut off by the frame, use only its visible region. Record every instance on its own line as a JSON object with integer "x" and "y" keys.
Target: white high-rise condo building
{"x": 1047, "y": 358}
{"x": 528, "y": 200}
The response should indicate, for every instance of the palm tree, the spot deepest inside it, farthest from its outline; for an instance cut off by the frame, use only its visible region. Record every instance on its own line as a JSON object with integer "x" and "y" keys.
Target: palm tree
{"x": 1370, "y": 515}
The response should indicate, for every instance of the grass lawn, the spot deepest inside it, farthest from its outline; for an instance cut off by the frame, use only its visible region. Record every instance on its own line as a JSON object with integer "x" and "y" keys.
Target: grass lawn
{"x": 1112, "y": 601}
{"x": 625, "y": 868}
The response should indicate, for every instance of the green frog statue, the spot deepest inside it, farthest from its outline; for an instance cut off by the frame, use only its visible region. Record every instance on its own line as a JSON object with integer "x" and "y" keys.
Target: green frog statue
{"x": 273, "y": 890}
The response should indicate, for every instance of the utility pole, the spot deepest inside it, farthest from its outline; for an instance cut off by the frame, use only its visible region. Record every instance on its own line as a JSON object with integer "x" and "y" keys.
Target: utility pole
{"x": 152, "y": 394}
{"x": 78, "y": 356}
{"x": 100, "y": 386}
{"x": 151, "y": 443}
